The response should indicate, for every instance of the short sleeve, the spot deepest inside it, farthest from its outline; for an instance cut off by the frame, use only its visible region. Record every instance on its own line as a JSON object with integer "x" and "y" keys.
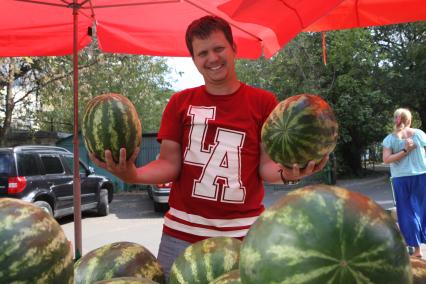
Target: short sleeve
{"x": 387, "y": 142}
{"x": 170, "y": 127}
{"x": 422, "y": 137}
{"x": 270, "y": 102}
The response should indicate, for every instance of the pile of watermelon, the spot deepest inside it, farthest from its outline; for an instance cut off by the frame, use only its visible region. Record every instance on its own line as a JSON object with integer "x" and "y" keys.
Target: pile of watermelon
{"x": 118, "y": 260}
{"x": 316, "y": 234}
{"x": 33, "y": 246}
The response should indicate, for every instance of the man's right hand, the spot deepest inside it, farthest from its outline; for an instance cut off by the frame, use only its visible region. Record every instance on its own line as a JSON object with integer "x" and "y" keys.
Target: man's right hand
{"x": 124, "y": 169}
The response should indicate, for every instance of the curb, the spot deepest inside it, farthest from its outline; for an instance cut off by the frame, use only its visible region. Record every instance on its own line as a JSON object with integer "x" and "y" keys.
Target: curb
{"x": 360, "y": 182}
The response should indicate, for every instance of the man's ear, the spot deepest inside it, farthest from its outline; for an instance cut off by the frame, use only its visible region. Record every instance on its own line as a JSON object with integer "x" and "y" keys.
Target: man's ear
{"x": 234, "y": 47}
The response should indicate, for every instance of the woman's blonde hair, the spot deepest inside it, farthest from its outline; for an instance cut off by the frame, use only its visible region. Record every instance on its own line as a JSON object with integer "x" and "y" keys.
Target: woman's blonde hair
{"x": 402, "y": 118}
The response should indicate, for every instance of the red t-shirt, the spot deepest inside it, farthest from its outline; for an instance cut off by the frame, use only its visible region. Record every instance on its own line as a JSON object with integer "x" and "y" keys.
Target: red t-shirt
{"x": 219, "y": 191}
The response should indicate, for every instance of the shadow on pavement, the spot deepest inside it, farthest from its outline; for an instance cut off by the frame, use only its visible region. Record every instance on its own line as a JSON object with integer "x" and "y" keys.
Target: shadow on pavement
{"x": 129, "y": 205}
{"x": 125, "y": 205}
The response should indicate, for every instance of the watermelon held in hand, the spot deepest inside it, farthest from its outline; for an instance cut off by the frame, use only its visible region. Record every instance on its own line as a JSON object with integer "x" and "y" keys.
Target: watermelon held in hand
{"x": 206, "y": 260}
{"x": 324, "y": 234}
{"x": 120, "y": 259}
{"x": 33, "y": 246}
{"x": 300, "y": 129}
{"x": 111, "y": 122}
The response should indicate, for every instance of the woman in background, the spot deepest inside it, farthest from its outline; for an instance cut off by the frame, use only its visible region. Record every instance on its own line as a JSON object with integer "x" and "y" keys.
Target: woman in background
{"x": 404, "y": 150}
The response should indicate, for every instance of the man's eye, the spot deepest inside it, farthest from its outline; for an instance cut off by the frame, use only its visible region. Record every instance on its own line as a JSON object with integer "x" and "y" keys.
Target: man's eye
{"x": 219, "y": 49}
{"x": 202, "y": 54}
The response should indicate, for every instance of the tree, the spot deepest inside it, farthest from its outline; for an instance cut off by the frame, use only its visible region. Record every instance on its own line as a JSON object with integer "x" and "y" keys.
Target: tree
{"x": 140, "y": 78}
{"x": 404, "y": 50}
{"x": 18, "y": 86}
{"x": 37, "y": 91}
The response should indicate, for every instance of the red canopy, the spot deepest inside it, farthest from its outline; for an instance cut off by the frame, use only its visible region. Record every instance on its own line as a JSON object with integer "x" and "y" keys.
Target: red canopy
{"x": 345, "y": 14}
{"x": 157, "y": 27}
{"x": 285, "y": 19}
{"x": 367, "y": 13}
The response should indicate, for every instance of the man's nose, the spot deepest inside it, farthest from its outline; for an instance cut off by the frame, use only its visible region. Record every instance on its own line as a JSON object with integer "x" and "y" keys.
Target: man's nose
{"x": 213, "y": 56}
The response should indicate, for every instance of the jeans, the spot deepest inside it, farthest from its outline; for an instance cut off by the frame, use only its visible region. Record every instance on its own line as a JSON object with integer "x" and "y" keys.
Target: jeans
{"x": 170, "y": 249}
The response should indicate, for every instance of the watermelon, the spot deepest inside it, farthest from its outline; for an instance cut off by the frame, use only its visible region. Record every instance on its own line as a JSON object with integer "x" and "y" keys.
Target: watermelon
{"x": 119, "y": 259}
{"x": 232, "y": 277}
{"x": 300, "y": 129}
{"x": 126, "y": 280}
{"x": 324, "y": 234}
{"x": 419, "y": 270}
{"x": 206, "y": 260}
{"x": 110, "y": 122}
{"x": 33, "y": 246}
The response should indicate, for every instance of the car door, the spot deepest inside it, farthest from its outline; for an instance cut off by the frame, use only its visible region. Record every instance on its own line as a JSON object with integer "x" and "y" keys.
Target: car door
{"x": 58, "y": 180}
{"x": 89, "y": 186}
{"x": 5, "y": 171}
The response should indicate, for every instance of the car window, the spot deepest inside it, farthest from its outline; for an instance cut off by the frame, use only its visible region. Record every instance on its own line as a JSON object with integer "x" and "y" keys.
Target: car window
{"x": 27, "y": 165}
{"x": 52, "y": 164}
{"x": 5, "y": 163}
{"x": 69, "y": 160}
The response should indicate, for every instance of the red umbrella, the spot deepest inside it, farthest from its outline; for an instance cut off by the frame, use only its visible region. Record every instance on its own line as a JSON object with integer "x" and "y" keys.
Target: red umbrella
{"x": 367, "y": 13}
{"x": 346, "y": 14}
{"x": 285, "y": 18}
{"x": 150, "y": 27}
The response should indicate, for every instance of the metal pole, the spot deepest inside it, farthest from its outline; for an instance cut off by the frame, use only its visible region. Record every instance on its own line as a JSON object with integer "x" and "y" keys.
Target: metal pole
{"x": 77, "y": 188}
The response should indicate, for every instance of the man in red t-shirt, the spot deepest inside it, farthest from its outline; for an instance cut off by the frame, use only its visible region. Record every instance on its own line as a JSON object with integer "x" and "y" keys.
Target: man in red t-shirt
{"x": 210, "y": 149}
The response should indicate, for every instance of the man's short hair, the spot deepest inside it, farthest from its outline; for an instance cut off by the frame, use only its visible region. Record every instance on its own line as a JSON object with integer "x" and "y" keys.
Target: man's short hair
{"x": 203, "y": 27}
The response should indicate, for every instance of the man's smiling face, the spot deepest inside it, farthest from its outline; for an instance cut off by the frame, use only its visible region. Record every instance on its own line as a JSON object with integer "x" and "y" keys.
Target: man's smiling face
{"x": 214, "y": 58}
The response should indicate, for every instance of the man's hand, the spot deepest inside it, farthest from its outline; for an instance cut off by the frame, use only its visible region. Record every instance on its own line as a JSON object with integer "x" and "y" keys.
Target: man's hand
{"x": 273, "y": 172}
{"x": 125, "y": 170}
{"x": 296, "y": 173}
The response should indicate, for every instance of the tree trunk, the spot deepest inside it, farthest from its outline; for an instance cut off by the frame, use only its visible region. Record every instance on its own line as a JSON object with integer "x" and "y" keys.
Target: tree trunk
{"x": 422, "y": 115}
{"x": 352, "y": 156}
{"x": 9, "y": 102}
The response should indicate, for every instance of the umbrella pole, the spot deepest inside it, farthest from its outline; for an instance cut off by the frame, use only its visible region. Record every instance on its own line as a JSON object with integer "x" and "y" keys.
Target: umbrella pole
{"x": 77, "y": 188}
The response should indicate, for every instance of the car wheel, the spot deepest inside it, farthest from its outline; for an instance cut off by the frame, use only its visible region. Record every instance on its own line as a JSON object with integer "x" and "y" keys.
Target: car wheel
{"x": 161, "y": 207}
{"x": 150, "y": 192}
{"x": 45, "y": 206}
{"x": 103, "y": 205}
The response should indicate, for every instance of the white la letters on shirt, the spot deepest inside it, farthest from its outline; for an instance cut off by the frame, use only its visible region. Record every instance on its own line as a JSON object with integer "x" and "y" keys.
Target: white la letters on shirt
{"x": 221, "y": 162}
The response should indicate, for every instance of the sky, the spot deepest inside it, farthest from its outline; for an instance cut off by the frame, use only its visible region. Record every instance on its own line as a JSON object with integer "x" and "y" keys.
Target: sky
{"x": 190, "y": 77}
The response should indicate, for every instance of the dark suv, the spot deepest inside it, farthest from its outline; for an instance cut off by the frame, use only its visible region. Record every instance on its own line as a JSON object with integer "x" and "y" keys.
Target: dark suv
{"x": 43, "y": 175}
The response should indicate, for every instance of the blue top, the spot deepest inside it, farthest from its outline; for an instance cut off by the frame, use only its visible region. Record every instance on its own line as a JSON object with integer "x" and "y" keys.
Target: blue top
{"x": 412, "y": 164}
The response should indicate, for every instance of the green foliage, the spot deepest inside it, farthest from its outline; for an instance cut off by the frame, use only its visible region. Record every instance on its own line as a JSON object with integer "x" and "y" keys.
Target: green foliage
{"x": 404, "y": 50}
{"x": 37, "y": 92}
{"x": 140, "y": 78}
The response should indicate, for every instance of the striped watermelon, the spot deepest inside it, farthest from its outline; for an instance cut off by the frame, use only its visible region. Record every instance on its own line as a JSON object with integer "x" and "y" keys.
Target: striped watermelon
{"x": 206, "y": 260}
{"x": 33, "y": 246}
{"x": 324, "y": 234}
{"x": 127, "y": 280}
{"x": 232, "y": 277}
{"x": 300, "y": 129}
{"x": 419, "y": 270}
{"x": 110, "y": 122}
{"x": 120, "y": 259}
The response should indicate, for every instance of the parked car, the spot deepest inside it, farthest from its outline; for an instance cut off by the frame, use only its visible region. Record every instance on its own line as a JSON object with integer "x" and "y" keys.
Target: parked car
{"x": 159, "y": 193}
{"x": 43, "y": 175}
